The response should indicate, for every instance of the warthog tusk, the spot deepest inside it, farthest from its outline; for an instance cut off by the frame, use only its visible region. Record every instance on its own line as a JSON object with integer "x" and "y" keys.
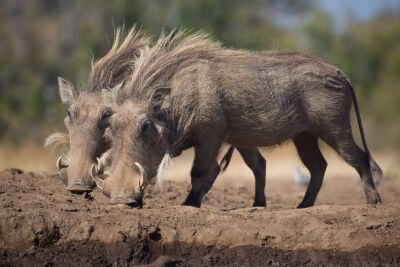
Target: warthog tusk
{"x": 93, "y": 172}
{"x": 99, "y": 167}
{"x": 103, "y": 162}
{"x": 61, "y": 163}
{"x": 142, "y": 175}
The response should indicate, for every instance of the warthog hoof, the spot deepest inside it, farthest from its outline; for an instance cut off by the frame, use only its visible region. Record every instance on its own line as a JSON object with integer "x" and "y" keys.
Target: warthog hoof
{"x": 374, "y": 199}
{"x": 260, "y": 203}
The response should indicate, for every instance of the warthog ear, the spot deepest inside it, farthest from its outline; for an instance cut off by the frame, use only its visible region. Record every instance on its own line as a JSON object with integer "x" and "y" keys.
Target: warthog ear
{"x": 68, "y": 92}
{"x": 110, "y": 95}
{"x": 160, "y": 99}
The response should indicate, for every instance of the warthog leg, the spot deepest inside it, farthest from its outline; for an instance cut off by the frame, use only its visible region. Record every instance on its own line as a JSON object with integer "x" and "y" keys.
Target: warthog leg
{"x": 343, "y": 143}
{"x": 310, "y": 154}
{"x": 204, "y": 171}
{"x": 256, "y": 162}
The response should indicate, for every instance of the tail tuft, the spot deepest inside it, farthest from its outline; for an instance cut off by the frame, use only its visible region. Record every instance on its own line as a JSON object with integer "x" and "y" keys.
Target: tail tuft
{"x": 226, "y": 159}
{"x": 376, "y": 171}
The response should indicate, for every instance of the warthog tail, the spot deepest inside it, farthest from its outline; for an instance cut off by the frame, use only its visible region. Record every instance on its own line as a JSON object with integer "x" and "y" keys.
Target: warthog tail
{"x": 226, "y": 159}
{"x": 376, "y": 171}
{"x": 56, "y": 139}
{"x": 357, "y": 110}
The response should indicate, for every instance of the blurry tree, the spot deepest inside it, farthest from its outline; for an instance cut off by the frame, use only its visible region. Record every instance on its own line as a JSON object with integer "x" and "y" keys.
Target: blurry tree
{"x": 43, "y": 39}
{"x": 369, "y": 52}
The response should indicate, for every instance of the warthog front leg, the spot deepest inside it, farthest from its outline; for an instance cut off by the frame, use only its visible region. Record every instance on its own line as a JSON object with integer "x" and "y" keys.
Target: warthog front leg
{"x": 256, "y": 162}
{"x": 204, "y": 172}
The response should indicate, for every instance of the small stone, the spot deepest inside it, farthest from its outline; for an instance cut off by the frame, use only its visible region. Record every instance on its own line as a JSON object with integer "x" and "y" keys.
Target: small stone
{"x": 374, "y": 226}
{"x": 389, "y": 224}
{"x": 15, "y": 171}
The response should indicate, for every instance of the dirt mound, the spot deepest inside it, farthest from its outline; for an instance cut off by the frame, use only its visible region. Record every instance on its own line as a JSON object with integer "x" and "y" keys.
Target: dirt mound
{"x": 42, "y": 224}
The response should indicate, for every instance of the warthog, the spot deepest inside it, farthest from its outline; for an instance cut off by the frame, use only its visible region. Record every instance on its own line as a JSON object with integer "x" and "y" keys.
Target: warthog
{"x": 86, "y": 129}
{"x": 86, "y": 112}
{"x": 189, "y": 91}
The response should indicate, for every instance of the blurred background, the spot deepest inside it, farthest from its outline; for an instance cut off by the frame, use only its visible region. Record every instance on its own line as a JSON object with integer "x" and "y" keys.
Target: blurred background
{"x": 43, "y": 39}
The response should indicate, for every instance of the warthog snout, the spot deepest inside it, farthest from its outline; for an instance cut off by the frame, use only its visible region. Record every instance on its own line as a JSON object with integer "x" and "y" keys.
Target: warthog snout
{"x": 75, "y": 186}
{"x": 120, "y": 191}
{"x": 135, "y": 201}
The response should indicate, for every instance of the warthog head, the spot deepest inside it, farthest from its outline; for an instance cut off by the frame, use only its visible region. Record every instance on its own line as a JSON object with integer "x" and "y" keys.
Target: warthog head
{"x": 140, "y": 129}
{"x": 86, "y": 121}
{"x": 88, "y": 110}
{"x": 139, "y": 149}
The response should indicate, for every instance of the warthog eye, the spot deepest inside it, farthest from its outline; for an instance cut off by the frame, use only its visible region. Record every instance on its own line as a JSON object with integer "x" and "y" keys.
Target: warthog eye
{"x": 105, "y": 118}
{"x": 69, "y": 115}
{"x": 147, "y": 129}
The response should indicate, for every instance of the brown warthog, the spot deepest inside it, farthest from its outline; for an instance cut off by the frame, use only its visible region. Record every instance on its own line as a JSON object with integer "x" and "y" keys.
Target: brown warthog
{"x": 188, "y": 91}
{"x": 87, "y": 114}
{"x": 85, "y": 138}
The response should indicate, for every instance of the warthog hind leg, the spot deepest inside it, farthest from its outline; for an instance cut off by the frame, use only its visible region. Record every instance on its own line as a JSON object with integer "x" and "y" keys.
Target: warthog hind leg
{"x": 256, "y": 162}
{"x": 343, "y": 143}
{"x": 310, "y": 154}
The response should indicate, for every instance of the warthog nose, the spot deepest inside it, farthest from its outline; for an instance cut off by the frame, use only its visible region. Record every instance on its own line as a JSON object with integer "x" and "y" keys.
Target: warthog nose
{"x": 76, "y": 187}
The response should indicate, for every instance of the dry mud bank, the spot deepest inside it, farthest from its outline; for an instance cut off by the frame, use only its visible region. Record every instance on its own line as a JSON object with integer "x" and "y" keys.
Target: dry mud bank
{"x": 42, "y": 224}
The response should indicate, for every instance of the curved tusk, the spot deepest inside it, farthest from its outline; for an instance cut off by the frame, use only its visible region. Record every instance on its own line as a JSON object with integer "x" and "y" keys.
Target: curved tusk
{"x": 99, "y": 167}
{"x": 103, "y": 162}
{"x": 142, "y": 175}
{"x": 61, "y": 163}
{"x": 61, "y": 169}
{"x": 93, "y": 173}
{"x": 58, "y": 163}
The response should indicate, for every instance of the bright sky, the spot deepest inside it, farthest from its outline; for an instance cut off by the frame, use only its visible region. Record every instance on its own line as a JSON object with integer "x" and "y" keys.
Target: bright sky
{"x": 360, "y": 9}
{"x": 343, "y": 10}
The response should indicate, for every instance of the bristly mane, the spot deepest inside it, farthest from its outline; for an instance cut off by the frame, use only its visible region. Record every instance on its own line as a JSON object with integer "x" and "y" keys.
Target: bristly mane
{"x": 117, "y": 65}
{"x": 113, "y": 68}
{"x": 157, "y": 64}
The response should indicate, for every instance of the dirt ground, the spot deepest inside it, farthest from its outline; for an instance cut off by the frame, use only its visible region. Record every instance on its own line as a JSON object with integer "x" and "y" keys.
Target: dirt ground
{"x": 42, "y": 224}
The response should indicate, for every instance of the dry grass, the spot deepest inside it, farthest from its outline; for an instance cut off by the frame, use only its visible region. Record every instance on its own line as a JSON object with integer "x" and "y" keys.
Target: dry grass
{"x": 27, "y": 156}
{"x": 280, "y": 163}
